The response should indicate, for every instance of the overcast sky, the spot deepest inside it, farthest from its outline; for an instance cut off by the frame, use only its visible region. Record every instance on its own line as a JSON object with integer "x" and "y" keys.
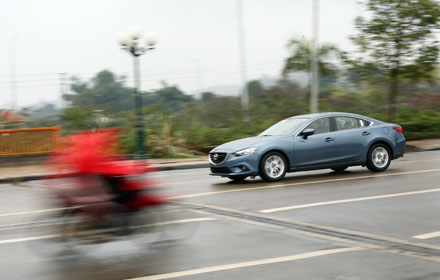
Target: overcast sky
{"x": 79, "y": 37}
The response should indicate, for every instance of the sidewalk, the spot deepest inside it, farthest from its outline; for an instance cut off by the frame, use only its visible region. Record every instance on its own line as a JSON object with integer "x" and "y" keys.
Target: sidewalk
{"x": 38, "y": 172}
{"x": 424, "y": 145}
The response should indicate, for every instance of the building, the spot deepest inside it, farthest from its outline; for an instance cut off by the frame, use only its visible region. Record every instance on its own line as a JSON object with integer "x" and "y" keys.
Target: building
{"x": 9, "y": 119}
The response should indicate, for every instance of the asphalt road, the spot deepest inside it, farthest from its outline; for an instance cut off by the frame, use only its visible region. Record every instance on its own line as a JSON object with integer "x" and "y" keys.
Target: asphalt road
{"x": 312, "y": 225}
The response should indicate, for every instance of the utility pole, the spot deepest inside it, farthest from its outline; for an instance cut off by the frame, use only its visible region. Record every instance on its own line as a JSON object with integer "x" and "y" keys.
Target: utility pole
{"x": 199, "y": 77}
{"x": 13, "y": 72}
{"x": 242, "y": 54}
{"x": 314, "y": 96}
{"x": 62, "y": 89}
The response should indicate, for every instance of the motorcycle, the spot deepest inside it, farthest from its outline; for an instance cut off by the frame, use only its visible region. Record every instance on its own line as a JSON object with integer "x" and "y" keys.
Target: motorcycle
{"x": 102, "y": 198}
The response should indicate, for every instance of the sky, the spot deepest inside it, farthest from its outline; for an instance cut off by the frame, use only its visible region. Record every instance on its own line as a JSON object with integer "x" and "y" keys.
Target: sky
{"x": 197, "y": 41}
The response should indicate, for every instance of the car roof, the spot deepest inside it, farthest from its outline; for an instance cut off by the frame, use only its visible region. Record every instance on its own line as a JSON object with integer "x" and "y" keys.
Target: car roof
{"x": 312, "y": 116}
{"x": 330, "y": 114}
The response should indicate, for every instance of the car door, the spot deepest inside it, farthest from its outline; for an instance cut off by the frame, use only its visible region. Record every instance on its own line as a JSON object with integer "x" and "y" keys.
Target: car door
{"x": 354, "y": 136}
{"x": 317, "y": 149}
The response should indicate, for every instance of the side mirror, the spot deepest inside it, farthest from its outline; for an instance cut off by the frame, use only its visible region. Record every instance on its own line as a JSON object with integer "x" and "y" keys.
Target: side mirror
{"x": 307, "y": 132}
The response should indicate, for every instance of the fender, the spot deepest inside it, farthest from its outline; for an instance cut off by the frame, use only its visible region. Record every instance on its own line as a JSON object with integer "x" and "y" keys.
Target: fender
{"x": 376, "y": 140}
{"x": 276, "y": 149}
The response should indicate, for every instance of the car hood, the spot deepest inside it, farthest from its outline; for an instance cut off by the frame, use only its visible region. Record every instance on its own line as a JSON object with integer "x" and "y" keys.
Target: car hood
{"x": 244, "y": 143}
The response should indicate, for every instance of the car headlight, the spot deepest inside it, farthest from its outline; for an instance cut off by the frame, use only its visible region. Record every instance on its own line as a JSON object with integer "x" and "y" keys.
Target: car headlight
{"x": 245, "y": 152}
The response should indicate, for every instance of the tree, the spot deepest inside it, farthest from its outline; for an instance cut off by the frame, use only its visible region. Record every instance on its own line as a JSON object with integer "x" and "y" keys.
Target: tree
{"x": 78, "y": 118}
{"x": 207, "y": 95}
{"x": 301, "y": 58}
{"x": 255, "y": 88}
{"x": 105, "y": 91}
{"x": 398, "y": 41}
{"x": 171, "y": 98}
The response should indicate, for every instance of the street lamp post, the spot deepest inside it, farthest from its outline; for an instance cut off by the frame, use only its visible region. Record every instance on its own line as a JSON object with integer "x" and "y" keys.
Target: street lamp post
{"x": 130, "y": 42}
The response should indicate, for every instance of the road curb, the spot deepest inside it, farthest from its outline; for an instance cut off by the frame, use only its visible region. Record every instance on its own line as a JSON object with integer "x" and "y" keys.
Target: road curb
{"x": 18, "y": 179}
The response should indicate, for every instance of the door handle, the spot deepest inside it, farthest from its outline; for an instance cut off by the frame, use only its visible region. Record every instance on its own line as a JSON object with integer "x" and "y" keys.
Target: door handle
{"x": 365, "y": 133}
{"x": 329, "y": 139}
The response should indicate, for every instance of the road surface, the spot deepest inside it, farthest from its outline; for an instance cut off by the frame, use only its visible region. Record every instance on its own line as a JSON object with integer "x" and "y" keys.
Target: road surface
{"x": 311, "y": 225}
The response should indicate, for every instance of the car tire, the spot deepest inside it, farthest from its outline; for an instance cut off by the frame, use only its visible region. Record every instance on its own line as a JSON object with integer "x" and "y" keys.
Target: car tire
{"x": 238, "y": 178}
{"x": 273, "y": 167}
{"x": 339, "y": 169}
{"x": 379, "y": 158}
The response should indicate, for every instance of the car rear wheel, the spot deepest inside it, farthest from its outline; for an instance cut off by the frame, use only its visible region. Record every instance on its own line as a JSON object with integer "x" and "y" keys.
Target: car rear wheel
{"x": 339, "y": 169}
{"x": 273, "y": 167}
{"x": 237, "y": 178}
{"x": 378, "y": 158}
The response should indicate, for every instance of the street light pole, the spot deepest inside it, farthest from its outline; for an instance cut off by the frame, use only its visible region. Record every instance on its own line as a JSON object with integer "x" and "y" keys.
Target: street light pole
{"x": 140, "y": 132}
{"x": 130, "y": 43}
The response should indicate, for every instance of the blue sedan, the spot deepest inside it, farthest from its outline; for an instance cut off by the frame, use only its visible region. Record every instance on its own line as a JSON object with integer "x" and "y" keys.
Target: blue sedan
{"x": 309, "y": 142}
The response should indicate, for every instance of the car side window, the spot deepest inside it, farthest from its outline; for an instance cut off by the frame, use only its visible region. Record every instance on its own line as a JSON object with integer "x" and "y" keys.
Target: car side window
{"x": 320, "y": 126}
{"x": 343, "y": 123}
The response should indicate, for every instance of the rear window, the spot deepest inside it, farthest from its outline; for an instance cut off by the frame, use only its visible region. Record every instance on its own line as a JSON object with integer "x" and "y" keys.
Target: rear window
{"x": 343, "y": 123}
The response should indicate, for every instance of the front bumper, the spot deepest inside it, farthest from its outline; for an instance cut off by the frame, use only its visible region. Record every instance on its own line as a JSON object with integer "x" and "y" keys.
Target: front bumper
{"x": 236, "y": 166}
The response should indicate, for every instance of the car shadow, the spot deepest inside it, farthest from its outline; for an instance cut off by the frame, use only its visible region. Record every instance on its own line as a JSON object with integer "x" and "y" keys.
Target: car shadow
{"x": 298, "y": 178}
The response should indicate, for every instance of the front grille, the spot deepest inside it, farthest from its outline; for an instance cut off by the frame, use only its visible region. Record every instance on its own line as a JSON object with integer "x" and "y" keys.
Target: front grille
{"x": 220, "y": 170}
{"x": 217, "y": 158}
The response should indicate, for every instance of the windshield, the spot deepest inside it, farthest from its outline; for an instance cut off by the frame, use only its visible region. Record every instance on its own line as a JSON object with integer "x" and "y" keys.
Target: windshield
{"x": 284, "y": 127}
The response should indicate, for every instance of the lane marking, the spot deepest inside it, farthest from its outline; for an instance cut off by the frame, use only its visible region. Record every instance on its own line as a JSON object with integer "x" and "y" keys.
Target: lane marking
{"x": 16, "y": 240}
{"x": 258, "y": 188}
{"x": 193, "y": 181}
{"x": 32, "y": 238}
{"x": 416, "y": 160}
{"x": 36, "y": 224}
{"x": 347, "y": 200}
{"x": 35, "y": 211}
{"x": 23, "y": 197}
{"x": 199, "y": 172}
{"x": 321, "y": 236}
{"x": 178, "y": 174}
{"x": 249, "y": 263}
{"x": 181, "y": 221}
{"x": 162, "y": 173}
{"x": 318, "y": 226}
{"x": 217, "y": 177}
{"x": 305, "y": 183}
{"x": 428, "y": 235}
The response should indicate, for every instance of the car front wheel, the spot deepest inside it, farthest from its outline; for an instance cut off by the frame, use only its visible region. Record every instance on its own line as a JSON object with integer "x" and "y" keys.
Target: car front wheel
{"x": 378, "y": 158}
{"x": 273, "y": 167}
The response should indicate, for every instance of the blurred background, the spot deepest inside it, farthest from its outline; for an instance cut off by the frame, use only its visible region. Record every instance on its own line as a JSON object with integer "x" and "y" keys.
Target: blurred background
{"x": 215, "y": 71}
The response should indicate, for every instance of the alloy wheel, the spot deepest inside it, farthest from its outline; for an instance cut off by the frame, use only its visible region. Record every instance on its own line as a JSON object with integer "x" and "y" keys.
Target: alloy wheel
{"x": 274, "y": 166}
{"x": 380, "y": 157}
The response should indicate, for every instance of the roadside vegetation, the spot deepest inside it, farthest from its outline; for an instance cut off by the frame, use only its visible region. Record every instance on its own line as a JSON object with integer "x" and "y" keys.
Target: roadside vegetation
{"x": 393, "y": 76}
